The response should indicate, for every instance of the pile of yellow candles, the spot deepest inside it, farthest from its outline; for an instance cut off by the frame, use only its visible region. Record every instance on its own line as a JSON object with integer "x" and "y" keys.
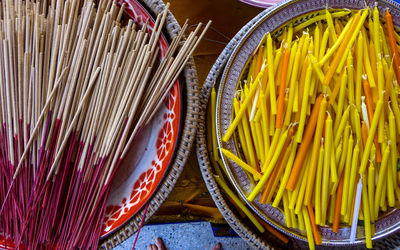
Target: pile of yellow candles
{"x": 317, "y": 119}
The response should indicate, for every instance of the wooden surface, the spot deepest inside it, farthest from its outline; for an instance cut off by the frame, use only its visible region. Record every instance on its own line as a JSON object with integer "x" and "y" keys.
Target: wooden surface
{"x": 190, "y": 199}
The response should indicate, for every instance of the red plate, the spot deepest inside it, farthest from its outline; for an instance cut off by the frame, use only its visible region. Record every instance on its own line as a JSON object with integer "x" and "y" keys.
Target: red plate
{"x": 147, "y": 162}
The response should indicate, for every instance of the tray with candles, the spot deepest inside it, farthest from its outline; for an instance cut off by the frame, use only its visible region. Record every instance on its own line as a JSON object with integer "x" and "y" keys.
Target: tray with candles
{"x": 307, "y": 120}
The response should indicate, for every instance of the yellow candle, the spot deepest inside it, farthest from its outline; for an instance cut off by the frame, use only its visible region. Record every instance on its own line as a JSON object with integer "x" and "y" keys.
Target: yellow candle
{"x": 243, "y": 107}
{"x": 255, "y": 140}
{"x": 293, "y": 216}
{"x": 381, "y": 180}
{"x": 260, "y": 140}
{"x": 290, "y": 35}
{"x": 337, "y": 80}
{"x": 343, "y": 61}
{"x": 313, "y": 91}
{"x": 278, "y": 72}
{"x": 296, "y": 98}
{"x": 336, "y": 153}
{"x": 300, "y": 195}
{"x": 315, "y": 152}
{"x": 368, "y": 67}
{"x": 372, "y": 57}
{"x": 259, "y": 60}
{"x": 350, "y": 82}
{"x": 317, "y": 68}
{"x": 376, "y": 34}
{"x": 346, "y": 184}
{"x": 388, "y": 85}
{"x": 271, "y": 124}
{"x": 253, "y": 108}
{"x": 340, "y": 101}
{"x": 353, "y": 38}
{"x": 353, "y": 176}
{"x": 334, "y": 174}
{"x": 271, "y": 152}
{"x": 357, "y": 127}
{"x": 371, "y": 135}
{"x": 269, "y": 169}
{"x": 214, "y": 134}
{"x": 264, "y": 79}
{"x": 293, "y": 53}
{"x": 240, "y": 204}
{"x": 326, "y": 179}
{"x": 331, "y": 26}
{"x": 301, "y": 42}
{"x": 295, "y": 193}
{"x": 336, "y": 45}
{"x": 301, "y": 221}
{"x": 265, "y": 127}
{"x": 271, "y": 75}
{"x": 318, "y": 187}
{"x": 319, "y": 18}
{"x": 286, "y": 211}
{"x": 277, "y": 59}
{"x": 371, "y": 190}
{"x": 242, "y": 137}
{"x": 386, "y": 53}
{"x": 393, "y": 146}
{"x": 304, "y": 104}
{"x": 316, "y": 41}
{"x": 286, "y": 175}
{"x": 343, "y": 155}
{"x": 324, "y": 42}
{"x": 360, "y": 53}
{"x": 241, "y": 163}
{"x": 249, "y": 142}
{"x": 331, "y": 211}
{"x": 390, "y": 186}
{"x": 307, "y": 222}
{"x": 366, "y": 210}
{"x": 257, "y": 117}
{"x": 344, "y": 120}
{"x": 381, "y": 86}
{"x": 306, "y": 45}
{"x": 338, "y": 26}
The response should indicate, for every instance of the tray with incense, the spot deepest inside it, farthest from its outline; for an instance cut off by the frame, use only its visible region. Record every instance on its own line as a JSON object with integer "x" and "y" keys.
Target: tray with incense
{"x": 276, "y": 162}
{"x": 85, "y": 92}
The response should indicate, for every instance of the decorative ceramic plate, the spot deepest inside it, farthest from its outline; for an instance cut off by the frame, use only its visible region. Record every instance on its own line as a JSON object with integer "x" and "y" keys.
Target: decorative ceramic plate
{"x": 147, "y": 162}
{"x": 273, "y": 21}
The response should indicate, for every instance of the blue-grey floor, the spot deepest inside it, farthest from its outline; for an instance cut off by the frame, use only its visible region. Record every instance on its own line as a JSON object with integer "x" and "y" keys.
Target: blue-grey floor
{"x": 191, "y": 235}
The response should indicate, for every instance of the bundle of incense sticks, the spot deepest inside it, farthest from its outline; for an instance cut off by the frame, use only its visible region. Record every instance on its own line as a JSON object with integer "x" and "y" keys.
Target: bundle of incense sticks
{"x": 76, "y": 88}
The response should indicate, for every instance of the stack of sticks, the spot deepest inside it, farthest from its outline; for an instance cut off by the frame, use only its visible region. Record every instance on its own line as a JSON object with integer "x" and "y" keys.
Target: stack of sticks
{"x": 76, "y": 88}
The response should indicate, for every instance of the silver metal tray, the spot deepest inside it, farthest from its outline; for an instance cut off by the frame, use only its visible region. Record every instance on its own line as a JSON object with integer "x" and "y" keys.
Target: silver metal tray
{"x": 273, "y": 21}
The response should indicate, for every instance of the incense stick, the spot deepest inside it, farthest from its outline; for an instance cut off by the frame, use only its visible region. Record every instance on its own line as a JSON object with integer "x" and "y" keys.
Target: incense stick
{"x": 76, "y": 88}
